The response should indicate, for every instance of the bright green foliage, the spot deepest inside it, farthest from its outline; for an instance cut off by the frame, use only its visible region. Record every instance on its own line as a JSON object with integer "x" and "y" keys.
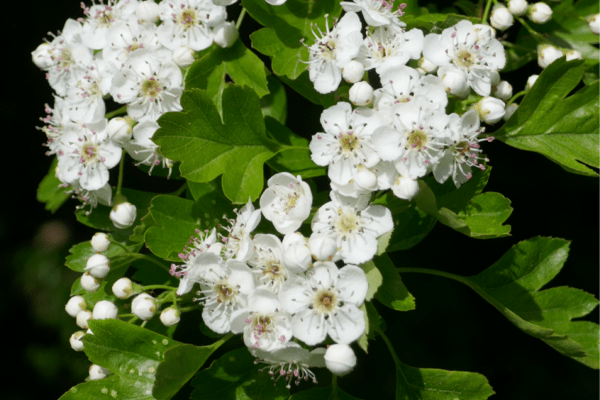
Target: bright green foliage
{"x": 326, "y": 393}
{"x": 374, "y": 324}
{"x": 306, "y": 88}
{"x": 49, "y": 191}
{"x": 513, "y": 284}
{"x": 176, "y": 219}
{"x": 386, "y": 286}
{"x": 207, "y": 148}
{"x": 81, "y": 252}
{"x": 564, "y": 129}
{"x": 235, "y": 376}
{"x": 275, "y": 104}
{"x": 286, "y": 25}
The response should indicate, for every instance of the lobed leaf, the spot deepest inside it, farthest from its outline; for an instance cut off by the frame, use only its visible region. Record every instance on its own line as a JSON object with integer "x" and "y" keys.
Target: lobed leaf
{"x": 80, "y": 253}
{"x": 386, "y": 285}
{"x": 49, "y": 191}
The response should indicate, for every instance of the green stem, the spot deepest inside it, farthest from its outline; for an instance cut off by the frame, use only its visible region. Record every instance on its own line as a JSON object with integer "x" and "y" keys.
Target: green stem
{"x": 121, "y": 169}
{"x": 191, "y": 308}
{"x": 178, "y": 192}
{"x": 144, "y": 323}
{"x": 334, "y": 386}
{"x": 240, "y": 19}
{"x": 144, "y": 257}
{"x": 435, "y": 272}
{"x": 132, "y": 320}
{"x": 516, "y": 96}
{"x": 122, "y": 110}
{"x": 486, "y": 12}
{"x": 536, "y": 35}
{"x": 517, "y": 46}
{"x": 120, "y": 245}
{"x": 149, "y": 287}
{"x": 126, "y": 315}
{"x": 391, "y": 349}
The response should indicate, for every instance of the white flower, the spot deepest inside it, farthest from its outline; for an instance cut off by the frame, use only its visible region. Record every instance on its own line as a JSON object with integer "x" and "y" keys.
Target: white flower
{"x": 346, "y": 142}
{"x": 97, "y": 372}
{"x": 170, "y": 316}
{"x": 517, "y": 7}
{"x": 82, "y": 318}
{"x": 268, "y": 265}
{"x": 105, "y": 310}
{"x": 470, "y": 48}
{"x": 189, "y": 23}
{"x": 323, "y": 247}
{"x": 530, "y": 81}
{"x": 42, "y": 56}
{"x": 510, "y": 110}
{"x": 415, "y": 139}
{"x": 57, "y": 120}
{"x": 86, "y": 154}
{"x": 463, "y": 151}
{"x": 142, "y": 149}
{"x": 225, "y": 290}
{"x": 340, "y": 359}
{"x": 91, "y": 197}
{"x": 361, "y": 94}
{"x": 490, "y": 109}
{"x": 75, "y": 340}
{"x": 85, "y": 94}
{"x": 286, "y": 202}
{"x": 403, "y": 186}
{"x": 333, "y": 49}
{"x": 100, "y": 242}
{"x": 353, "y": 71}
{"x": 547, "y": 55}
{"x": 387, "y": 48}
{"x": 226, "y": 34}
{"x": 74, "y": 305}
{"x": 354, "y": 226}
{"x": 455, "y": 81}
{"x": 183, "y": 56}
{"x": 98, "y": 266}
{"x": 123, "y": 288}
{"x": 100, "y": 17}
{"x": 119, "y": 130}
{"x": 377, "y": 12}
{"x": 540, "y": 13}
{"x": 147, "y": 11}
{"x": 326, "y": 303}
{"x": 573, "y": 55}
{"x": 143, "y": 306}
{"x": 264, "y": 323}
{"x": 503, "y": 90}
{"x": 127, "y": 39}
{"x": 149, "y": 85}
{"x": 89, "y": 283}
{"x": 238, "y": 243}
{"x": 296, "y": 254}
{"x": 427, "y": 66}
{"x": 123, "y": 215}
{"x": 501, "y": 18}
{"x": 594, "y": 23}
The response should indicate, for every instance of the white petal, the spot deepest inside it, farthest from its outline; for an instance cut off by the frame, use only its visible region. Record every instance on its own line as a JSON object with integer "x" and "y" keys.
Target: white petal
{"x": 347, "y": 324}
{"x": 309, "y": 327}
{"x": 352, "y": 285}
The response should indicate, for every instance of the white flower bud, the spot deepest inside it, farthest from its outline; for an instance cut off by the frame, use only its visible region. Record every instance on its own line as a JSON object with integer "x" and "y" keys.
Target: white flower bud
{"x": 89, "y": 332}
{"x": 74, "y": 305}
{"x": 594, "y": 21}
{"x": 517, "y": 7}
{"x": 495, "y": 76}
{"x": 98, "y": 266}
{"x": 105, "y": 310}
{"x": 225, "y": 34}
{"x": 42, "y": 57}
{"x": 421, "y": 72}
{"x": 427, "y": 66}
{"x": 361, "y": 94}
{"x": 353, "y": 72}
{"x": 183, "y": 56}
{"x": 540, "y": 13}
{"x": 89, "y": 283}
{"x": 123, "y": 215}
{"x": 340, "y": 359}
{"x": 405, "y": 188}
{"x": 75, "y": 340}
{"x": 82, "y": 319}
{"x": 147, "y": 11}
{"x": 366, "y": 179}
{"x": 296, "y": 252}
{"x": 97, "y": 372}
{"x": 490, "y": 109}
{"x": 322, "y": 248}
{"x": 123, "y": 288}
{"x": 170, "y": 316}
{"x": 455, "y": 81}
{"x": 100, "y": 242}
{"x": 547, "y": 55}
{"x": 573, "y": 55}
{"x": 530, "y": 81}
{"x": 143, "y": 306}
{"x": 503, "y": 91}
{"x": 119, "y": 130}
{"x": 510, "y": 110}
{"x": 501, "y": 18}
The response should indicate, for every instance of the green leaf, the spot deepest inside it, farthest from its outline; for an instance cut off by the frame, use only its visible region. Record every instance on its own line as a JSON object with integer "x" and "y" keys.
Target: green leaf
{"x": 435, "y": 23}
{"x": 50, "y": 192}
{"x": 326, "y": 393}
{"x": 130, "y": 352}
{"x": 275, "y": 104}
{"x": 235, "y": 376}
{"x": 237, "y": 61}
{"x": 563, "y": 129}
{"x": 373, "y": 325}
{"x": 207, "y": 148}
{"x": 306, "y": 88}
{"x": 104, "y": 292}
{"x": 513, "y": 284}
{"x": 179, "y": 365}
{"x": 286, "y": 25}
{"x": 176, "y": 219}
{"x": 80, "y": 253}
{"x": 392, "y": 293}
{"x": 295, "y": 161}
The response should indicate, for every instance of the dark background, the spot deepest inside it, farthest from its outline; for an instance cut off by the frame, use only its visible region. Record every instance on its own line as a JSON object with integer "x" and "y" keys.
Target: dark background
{"x": 452, "y": 327}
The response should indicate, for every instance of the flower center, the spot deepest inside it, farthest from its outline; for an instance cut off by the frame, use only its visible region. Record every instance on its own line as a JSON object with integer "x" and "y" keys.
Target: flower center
{"x": 325, "y": 301}
{"x": 463, "y": 148}
{"x": 464, "y": 59}
{"x": 328, "y": 49}
{"x": 133, "y": 47}
{"x": 187, "y": 18}
{"x": 150, "y": 88}
{"x": 417, "y": 140}
{"x": 348, "y": 141}
{"x": 89, "y": 153}
{"x": 65, "y": 59}
{"x": 347, "y": 221}
{"x": 225, "y": 292}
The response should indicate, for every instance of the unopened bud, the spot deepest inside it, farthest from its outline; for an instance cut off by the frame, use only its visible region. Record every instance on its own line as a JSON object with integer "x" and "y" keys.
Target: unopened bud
{"x": 427, "y": 66}
{"x": 510, "y": 110}
{"x": 100, "y": 242}
{"x": 495, "y": 77}
{"x": 123, "y": 215}
{"x": 547, "y": 55}
{"x": 594, "y": 22}
{"x": 503, "y": 91}
{"x": 455, "y": 81}
{"x": 147, "y": 11}
{"x": 366, "y": 179}
{"x": 501, "y": 18}
{"x": 170, "y": 316}
{"x": 143, "y": 306}
{"x": 183, "y": 56}
{"x": 225, "y": 34}
{"x": 119, "y": 130}
{"x": 517, "y": 7}
{"x": 490, "y": 109}
{"x": 361, "y": 94}
{"x": 74, "y": 305}
{"x": 340, "y": 359}
{"x": 353, "y": 72}
{"x": 123, "y": 288}
{"x": 89, "y": 283}
{"x": 405, "y": 188}
{"x": 105, "y": 310}
{"x": 98, "y": 266}
{"x": 323, "y": 248}
{"x": 97, "y": 372}
{"x": 41, "y": 56}
{"x": 573, "y": 55}
{"x": 530, "y": 81}
{"x": 540, "y": 13}
{"x": 75, "y": 340}
{"x": 296, "y": 253}
{"x": 82, "y": 319}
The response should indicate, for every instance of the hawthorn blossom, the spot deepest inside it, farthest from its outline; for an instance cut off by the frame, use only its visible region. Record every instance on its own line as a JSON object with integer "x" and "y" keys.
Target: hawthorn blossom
{"x": 238, "y": 243}
{"x": 469, "y": 48}
{"x": 57, "y": 120}
{"x": 387, "y": 48}
{"x": 332, "y": 50}
{"x": 326, "y": 303}
{"x": 377, "y": 12}
{"x": 286, "y": 202}
{"x": 126, "y": 39}
{"x": 85, "y": 95}
{"x": 142, "y": 149}
{"x": 296, "y": 254}
{"x": 100, "y": 17}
